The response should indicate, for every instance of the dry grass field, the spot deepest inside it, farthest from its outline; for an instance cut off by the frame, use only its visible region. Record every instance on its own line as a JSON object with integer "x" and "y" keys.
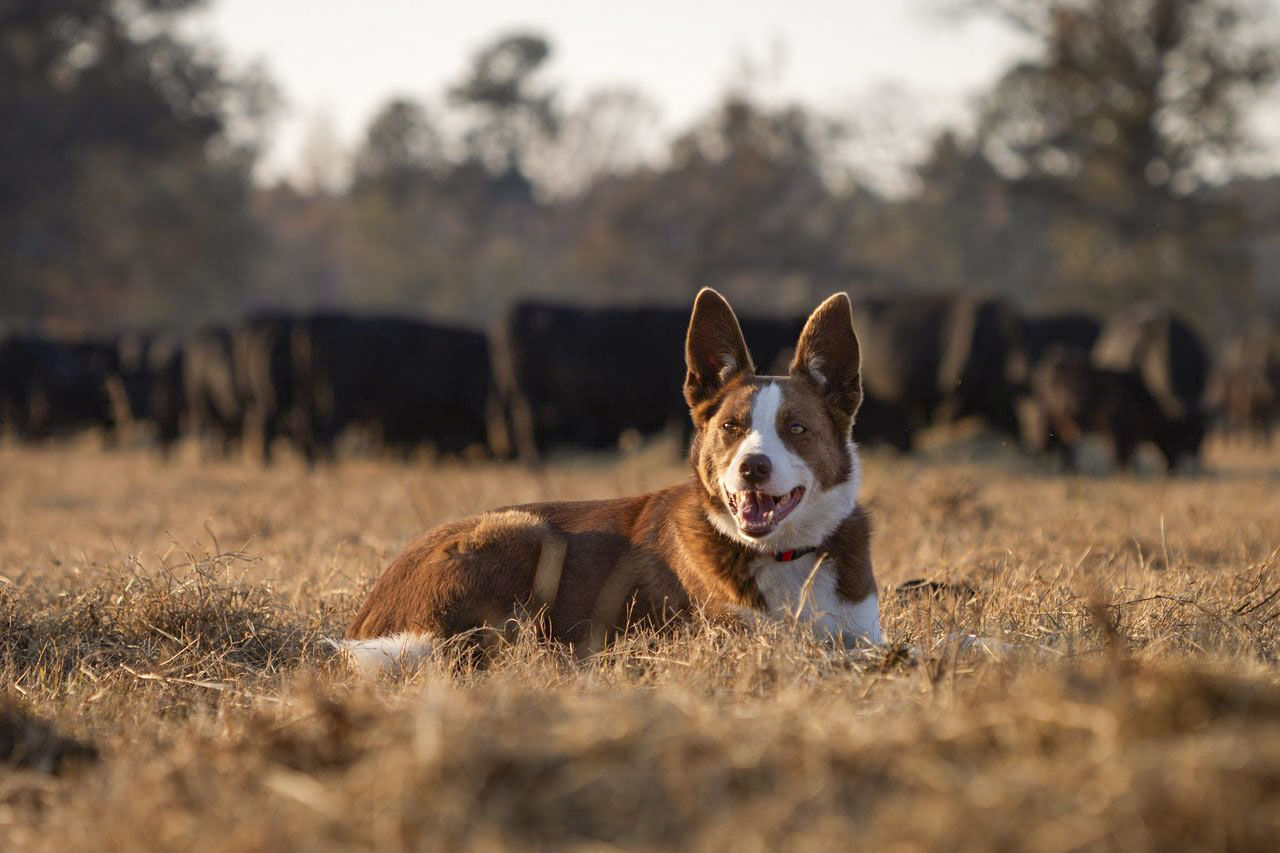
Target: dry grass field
{"x": 166, "y": 684}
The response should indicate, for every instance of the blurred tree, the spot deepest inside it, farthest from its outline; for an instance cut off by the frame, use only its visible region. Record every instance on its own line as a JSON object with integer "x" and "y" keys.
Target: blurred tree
{"x": 958, "y": 230}
{"x": 401, "y": 147}
{"x": 303, "y": 263}
{"x": 1130, "y": 109}
{"x": 609, "y": 132}
{"x": 125, "y": 156}
{"x": 510, "y": 113}
{"x": 1131, "y": 101}
{"x": 419, "y": 231}
{"x": 888, "y": 129}
{"x": 744, "y": 204}
{"x": 324, "y": 166}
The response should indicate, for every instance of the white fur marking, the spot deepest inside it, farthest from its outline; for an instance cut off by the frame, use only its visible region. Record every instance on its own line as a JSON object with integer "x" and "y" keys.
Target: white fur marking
{"x": 789, "y": 470}
{"x": 820, "y": 511}
{"x": 805, "y": 590}
{"x": 814, "y": 365}
{"x": 396, "y": 653}
{"x": 728, "y": 364}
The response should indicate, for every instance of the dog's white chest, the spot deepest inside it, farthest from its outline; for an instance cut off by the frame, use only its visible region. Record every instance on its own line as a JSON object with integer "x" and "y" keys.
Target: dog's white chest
{"x": 793, "y": 589}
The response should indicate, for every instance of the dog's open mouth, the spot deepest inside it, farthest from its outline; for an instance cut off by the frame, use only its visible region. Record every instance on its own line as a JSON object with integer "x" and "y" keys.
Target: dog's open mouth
{"x": 757, "y": 513}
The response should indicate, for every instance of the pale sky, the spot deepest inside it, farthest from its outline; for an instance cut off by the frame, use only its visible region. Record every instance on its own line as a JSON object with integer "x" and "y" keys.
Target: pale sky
{"x": 342, "y": 59}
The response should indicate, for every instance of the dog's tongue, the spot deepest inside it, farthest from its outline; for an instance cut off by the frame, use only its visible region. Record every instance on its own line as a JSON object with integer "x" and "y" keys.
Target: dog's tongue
{"x": 753, "y": 508}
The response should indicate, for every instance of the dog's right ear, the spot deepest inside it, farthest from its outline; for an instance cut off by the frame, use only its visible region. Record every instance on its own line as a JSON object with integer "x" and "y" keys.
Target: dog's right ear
{"x": 714, "y": 351}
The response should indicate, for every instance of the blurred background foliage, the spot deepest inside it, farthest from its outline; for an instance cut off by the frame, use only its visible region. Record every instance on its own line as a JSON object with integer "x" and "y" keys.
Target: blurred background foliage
{"x": 1095, "y": 173}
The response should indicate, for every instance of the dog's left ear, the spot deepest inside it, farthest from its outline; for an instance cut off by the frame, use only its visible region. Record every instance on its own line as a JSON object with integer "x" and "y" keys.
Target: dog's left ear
{"x": 828, "y": 355}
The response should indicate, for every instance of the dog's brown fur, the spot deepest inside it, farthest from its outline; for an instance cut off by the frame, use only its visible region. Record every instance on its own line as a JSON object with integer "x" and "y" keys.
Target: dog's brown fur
{"x": 593, "y": 567}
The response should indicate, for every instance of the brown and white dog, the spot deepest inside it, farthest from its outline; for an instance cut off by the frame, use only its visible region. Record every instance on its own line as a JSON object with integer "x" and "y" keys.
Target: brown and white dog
{"x": 768, "y": 526}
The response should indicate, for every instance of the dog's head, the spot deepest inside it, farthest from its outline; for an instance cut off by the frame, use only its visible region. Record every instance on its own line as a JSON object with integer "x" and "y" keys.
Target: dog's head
{"x": 774, "y": 453}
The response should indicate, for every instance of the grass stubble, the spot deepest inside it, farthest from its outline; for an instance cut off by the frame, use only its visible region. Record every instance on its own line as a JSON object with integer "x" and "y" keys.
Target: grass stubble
{"x": 166, "y": 683}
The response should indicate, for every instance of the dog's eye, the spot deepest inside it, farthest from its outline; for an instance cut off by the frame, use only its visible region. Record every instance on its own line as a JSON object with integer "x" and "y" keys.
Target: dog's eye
{"x": 729, "y": 426}
{"x": 796, "y": 429}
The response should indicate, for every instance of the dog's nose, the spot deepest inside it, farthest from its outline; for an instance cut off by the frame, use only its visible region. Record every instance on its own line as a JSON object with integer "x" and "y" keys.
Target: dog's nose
{"x": 755, "y": 469}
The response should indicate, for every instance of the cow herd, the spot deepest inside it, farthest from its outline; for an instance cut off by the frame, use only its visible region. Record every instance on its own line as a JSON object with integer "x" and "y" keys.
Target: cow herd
{"x": 562, "y": 377}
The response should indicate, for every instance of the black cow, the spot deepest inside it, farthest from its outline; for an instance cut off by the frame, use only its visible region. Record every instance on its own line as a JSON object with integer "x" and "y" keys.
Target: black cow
{"x": 576, "y": 376}
{"x": 13, "y": 383}
{"x": 1244, "y": 389}
{"x": 263, "y": 366}
{"x": 240, "y": 383}
{"x": 413, "y": 383}
{"x": 147, "y": 385}
{"x": 1079, "y": 398}
{"x": 1043, "y": 334}
{"x": 1165, "y": 353}
{"x": 52, "y": 387}
{"x": 214, "y": 396}
{"x": 930, "y": 358}
{"x": 1073, "y": 331}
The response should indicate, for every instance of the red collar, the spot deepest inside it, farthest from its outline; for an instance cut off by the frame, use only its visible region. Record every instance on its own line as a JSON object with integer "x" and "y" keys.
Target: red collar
{"x": 793, "y": 554}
